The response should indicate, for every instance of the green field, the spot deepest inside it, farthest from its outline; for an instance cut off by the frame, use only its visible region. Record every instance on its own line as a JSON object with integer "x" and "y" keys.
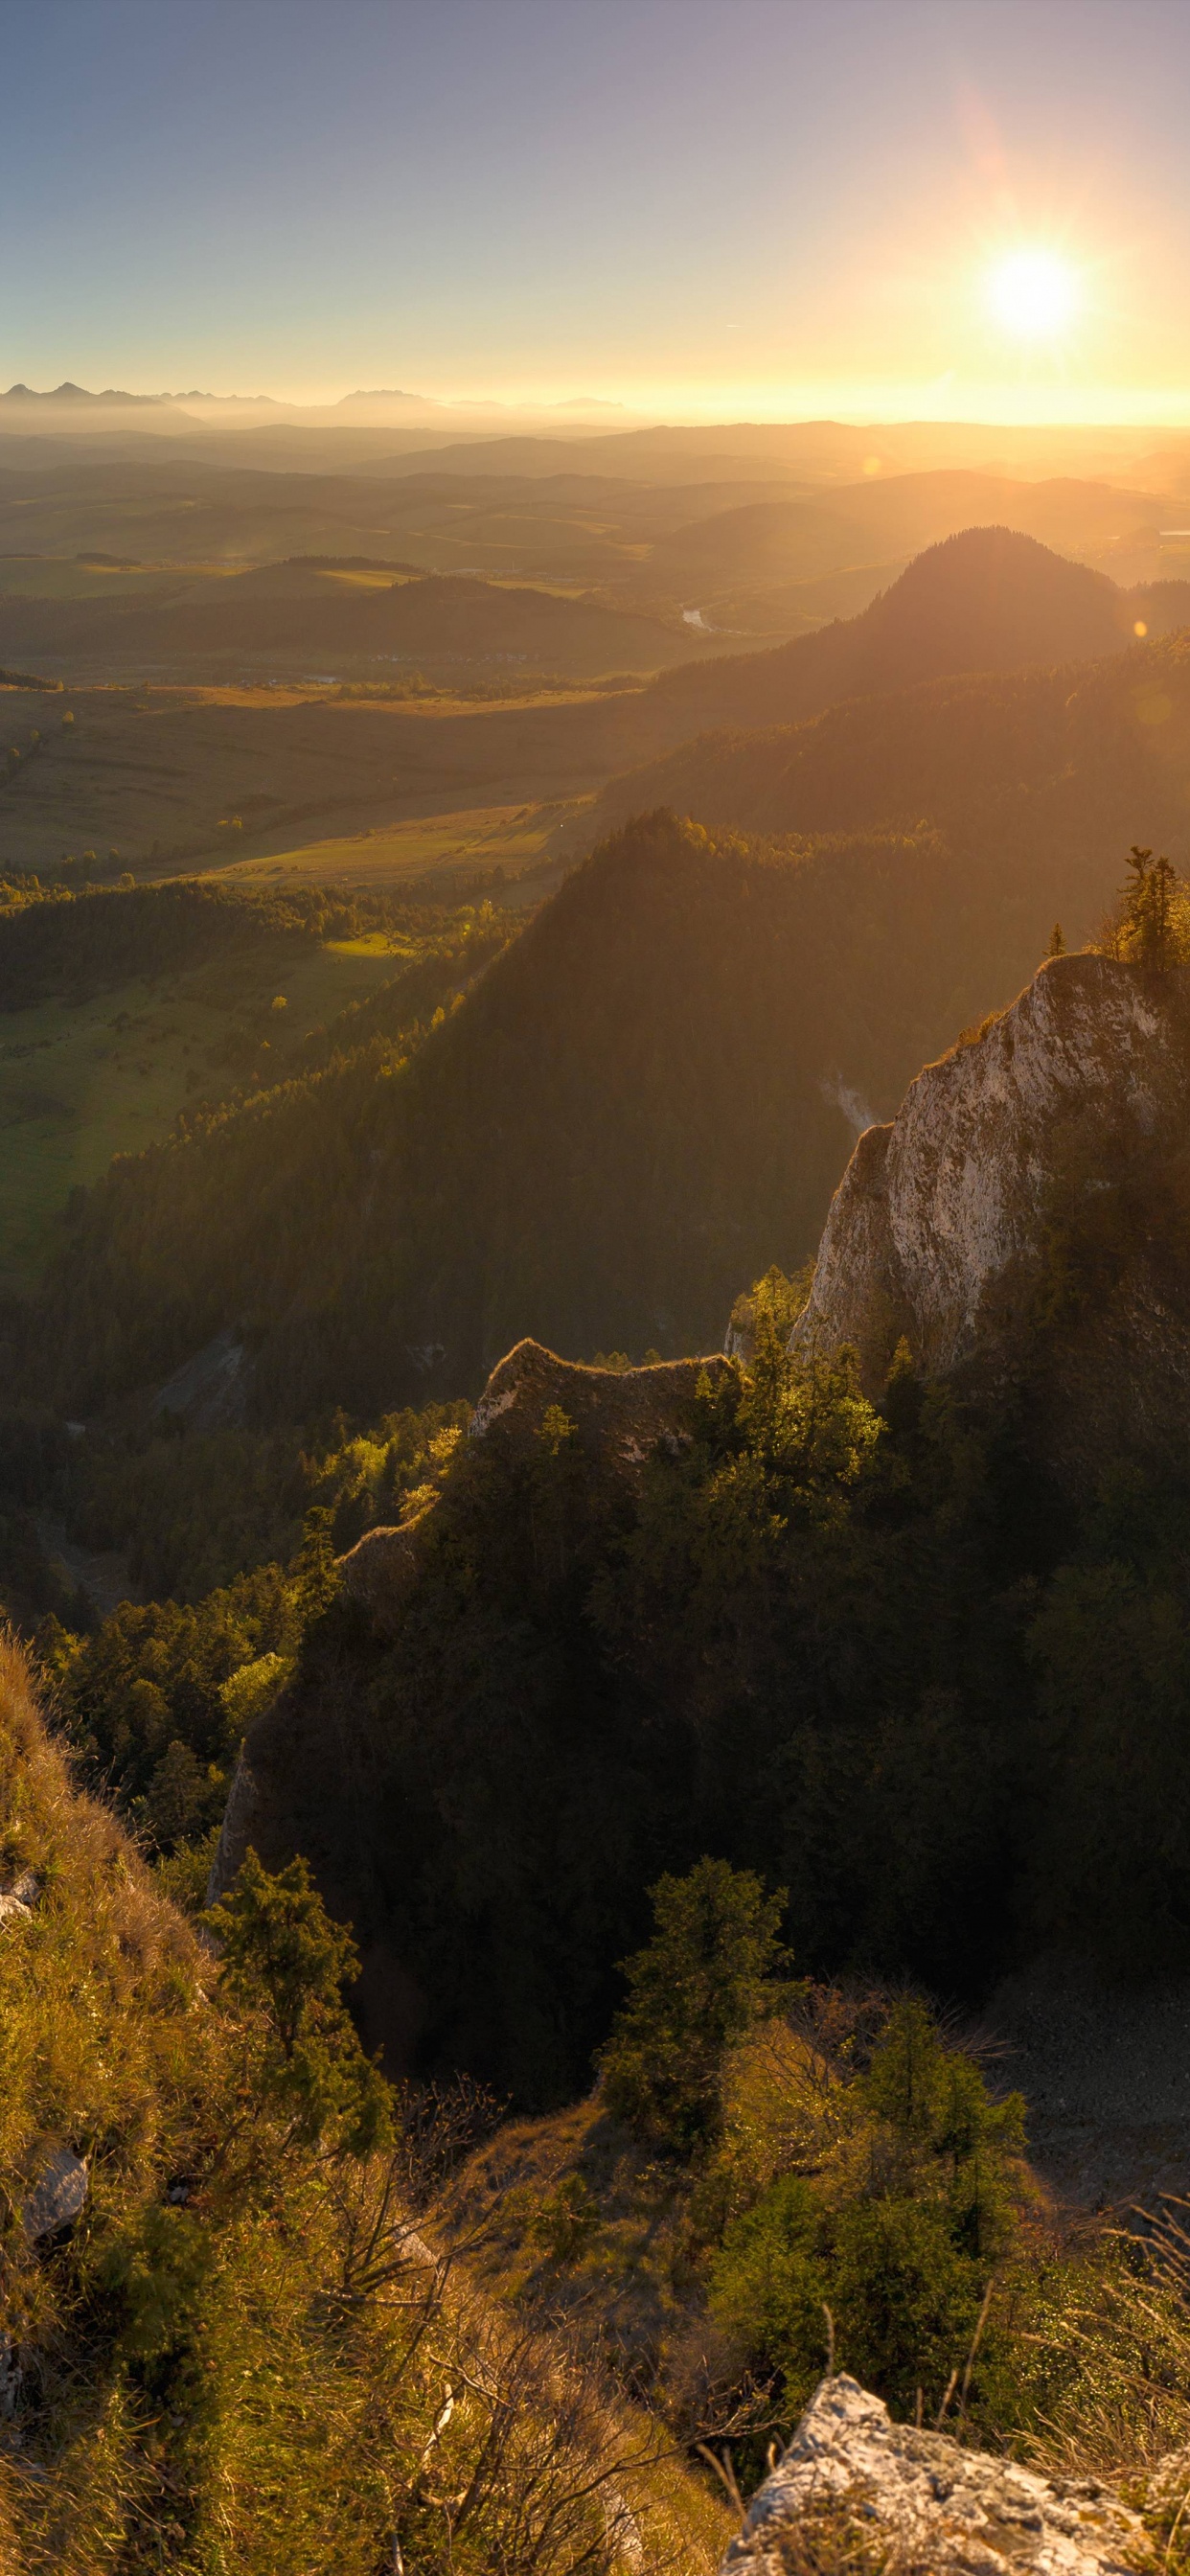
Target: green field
{"x": 80, "y": 1082}
{"x": 476, "y": 837}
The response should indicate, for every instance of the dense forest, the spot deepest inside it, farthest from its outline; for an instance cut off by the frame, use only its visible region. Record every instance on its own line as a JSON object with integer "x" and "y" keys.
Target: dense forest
{"x": 1034, "y": 773}
{"x": 646, "y": 1099}
{"x": 866, "y": 1649}
{"x": 988, "y": 599}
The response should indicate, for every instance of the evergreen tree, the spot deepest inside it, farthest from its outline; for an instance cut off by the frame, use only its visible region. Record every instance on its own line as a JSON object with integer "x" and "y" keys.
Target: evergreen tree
{"x": 709, "y": 1972}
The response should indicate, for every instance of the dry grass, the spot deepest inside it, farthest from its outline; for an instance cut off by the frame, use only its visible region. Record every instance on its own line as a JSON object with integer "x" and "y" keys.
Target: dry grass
{"x": 277, "y": 2371}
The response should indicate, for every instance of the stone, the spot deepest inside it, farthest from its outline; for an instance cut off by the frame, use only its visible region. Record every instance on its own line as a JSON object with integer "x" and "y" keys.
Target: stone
{"x": 57, "y": 2197}
{"x": 927, "y": 2503}
{"x": 17, "y": 1902}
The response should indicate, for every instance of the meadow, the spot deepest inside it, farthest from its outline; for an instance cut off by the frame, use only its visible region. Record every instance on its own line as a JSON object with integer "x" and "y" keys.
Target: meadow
{"x": 475, "y": 839}
{"x": 81, "y": 1081}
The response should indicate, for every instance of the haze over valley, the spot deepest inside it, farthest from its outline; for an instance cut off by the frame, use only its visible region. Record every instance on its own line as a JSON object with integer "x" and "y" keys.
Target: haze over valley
{"x": 595, "y": 1291}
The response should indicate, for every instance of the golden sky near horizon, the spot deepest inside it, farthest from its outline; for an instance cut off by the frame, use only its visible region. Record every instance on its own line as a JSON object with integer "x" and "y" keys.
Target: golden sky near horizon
{"x": 868, "y": 208}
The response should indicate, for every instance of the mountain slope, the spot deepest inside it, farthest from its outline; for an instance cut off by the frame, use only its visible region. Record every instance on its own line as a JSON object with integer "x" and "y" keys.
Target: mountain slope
{"x": 648, "y": 1098}
{"x": 197, "y": 2369}
{"x": 987, "y": 599}
{"x": 1059, "y": 771}
{"x": 876, "y": 1646}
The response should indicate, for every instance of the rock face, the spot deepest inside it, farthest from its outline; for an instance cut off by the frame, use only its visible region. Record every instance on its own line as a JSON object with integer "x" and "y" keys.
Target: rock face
{"x": 921, "y": 2502}
{"x": 211, "y": 1389}
{"x": 619, "y": 1415}
{"x": 943, "y": 1223}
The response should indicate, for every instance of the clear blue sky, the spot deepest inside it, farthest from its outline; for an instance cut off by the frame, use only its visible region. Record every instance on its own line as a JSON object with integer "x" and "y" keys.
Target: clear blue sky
{"x": 780, "y": 204}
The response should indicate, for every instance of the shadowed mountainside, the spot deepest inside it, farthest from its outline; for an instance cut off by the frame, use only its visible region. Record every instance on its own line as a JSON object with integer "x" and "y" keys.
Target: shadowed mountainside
{"x": 987, "y": 599}
{"x": 873, "y": 1645}
{"x": 1055, "y": 772}
{"x": 439, "y": 621}
{"x": 647, "y": 1100}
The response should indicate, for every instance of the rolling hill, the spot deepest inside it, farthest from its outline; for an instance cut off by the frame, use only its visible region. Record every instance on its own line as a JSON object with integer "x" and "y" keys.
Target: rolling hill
{"x": 441, "y": 622}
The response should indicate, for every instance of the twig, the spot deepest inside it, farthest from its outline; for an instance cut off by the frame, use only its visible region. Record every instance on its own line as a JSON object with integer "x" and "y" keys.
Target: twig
{"x": 830, "y": 2341}
{"x": 976, "y": 2340}
{"x": 951, "y": 2385}
{"x": 724, "y": 2472}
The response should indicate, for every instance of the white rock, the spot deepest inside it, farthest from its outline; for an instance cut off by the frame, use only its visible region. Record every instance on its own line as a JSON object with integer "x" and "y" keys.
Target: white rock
{"x": 942, "y": 2507}
{"x": 935, "y": 1209}
{"x": 57, "y": 2197}
{"x": 17, "y": 1902}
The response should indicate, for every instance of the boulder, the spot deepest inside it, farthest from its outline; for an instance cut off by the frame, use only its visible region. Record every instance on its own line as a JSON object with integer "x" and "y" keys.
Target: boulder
{"x": 923, "y": 2503}
{"x": 17, "y": 1902}
{"x": 57, "y": 2197}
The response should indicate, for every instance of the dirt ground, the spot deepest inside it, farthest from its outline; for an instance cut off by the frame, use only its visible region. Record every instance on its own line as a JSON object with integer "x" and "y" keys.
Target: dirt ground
{"x": 1105, "y": 2070}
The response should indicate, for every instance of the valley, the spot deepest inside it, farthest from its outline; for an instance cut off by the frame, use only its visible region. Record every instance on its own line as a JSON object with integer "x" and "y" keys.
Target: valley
{"x": 594, "y": 1327}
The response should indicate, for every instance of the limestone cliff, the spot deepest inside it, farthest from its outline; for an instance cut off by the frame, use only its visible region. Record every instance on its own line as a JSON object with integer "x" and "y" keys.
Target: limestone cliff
{"x": 1032, "y": 1179}
{"x": 855, "y": 2489}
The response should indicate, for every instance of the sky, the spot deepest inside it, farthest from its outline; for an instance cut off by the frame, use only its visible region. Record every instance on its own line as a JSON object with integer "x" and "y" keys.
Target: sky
{"x": 695, "y": 208}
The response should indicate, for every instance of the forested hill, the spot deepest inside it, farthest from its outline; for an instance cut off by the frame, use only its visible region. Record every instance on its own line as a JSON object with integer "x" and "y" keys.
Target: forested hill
{"x": 286, "y": 610}
{"x": 648, "y": 1099}
{"x": 1049, "y": 775}
{"x": 989, "y": 599}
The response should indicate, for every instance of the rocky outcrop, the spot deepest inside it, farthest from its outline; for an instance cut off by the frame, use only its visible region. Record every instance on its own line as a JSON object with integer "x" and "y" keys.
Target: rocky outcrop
{"x": 943, "y": 1227}
{"x": 210, "y": 1390}
{"x": 923, "y": 2504}
{"x": 618, "y": 1415}
{"x": 617, "y": 1418}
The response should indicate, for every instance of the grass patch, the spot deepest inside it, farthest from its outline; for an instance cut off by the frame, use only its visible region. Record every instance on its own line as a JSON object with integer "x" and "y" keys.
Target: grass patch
{"x": 83, "y": 1081}
{"x": 478, "y": 837}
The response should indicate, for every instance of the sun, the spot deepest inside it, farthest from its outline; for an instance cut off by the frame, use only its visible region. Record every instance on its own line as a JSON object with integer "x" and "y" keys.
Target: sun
{"x": 1033, "y": 292}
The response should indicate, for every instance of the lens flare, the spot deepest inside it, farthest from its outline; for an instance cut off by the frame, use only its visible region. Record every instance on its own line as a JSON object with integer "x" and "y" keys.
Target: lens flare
{"x": 1033, "y": 292}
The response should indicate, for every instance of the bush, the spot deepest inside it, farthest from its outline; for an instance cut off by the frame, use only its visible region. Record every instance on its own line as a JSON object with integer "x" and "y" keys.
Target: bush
{"x": 910, "y": 2206}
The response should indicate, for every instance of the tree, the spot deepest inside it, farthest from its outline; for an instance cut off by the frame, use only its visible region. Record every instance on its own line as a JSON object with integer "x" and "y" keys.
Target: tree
{"x": 712, "y": 1968}
{"x": 285, "y": 1962}
{"x": 1148, "y": 900}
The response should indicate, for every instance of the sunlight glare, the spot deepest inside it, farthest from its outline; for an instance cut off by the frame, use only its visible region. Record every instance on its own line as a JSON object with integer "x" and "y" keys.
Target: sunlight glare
{"x": 1033, "y": 292}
